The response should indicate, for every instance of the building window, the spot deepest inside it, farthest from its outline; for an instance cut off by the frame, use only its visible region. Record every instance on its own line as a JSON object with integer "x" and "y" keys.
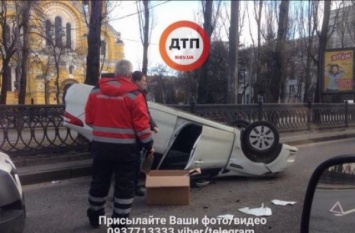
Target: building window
{"x": 7, "y": 34}
{"x": 68, "y": 35}
{"x": 48, "y": 33}
{"x": 71, "y": 68}
{"x": 292, "y": 91}
{"x": 17, "y": 78}
{"x": 9, "y": 82}
{"x": 58, "y": 31}
{"x": 103, "y": 48}
{"x": 17, "y": 34}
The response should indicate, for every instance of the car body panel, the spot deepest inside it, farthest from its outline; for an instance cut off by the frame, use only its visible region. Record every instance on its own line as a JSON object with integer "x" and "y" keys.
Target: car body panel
{"x": 12, "y": 207}
{"x": 212, "y": 149}
{"x": 186, "y": 140}
{"x": 156, "y": 109}
{"x": 7, "y": 166}
{"x": 78, "y": 95}
{"x": 281, "y": 163}
{"x": 167, "y": 124}
{"x": 240, "y": 165}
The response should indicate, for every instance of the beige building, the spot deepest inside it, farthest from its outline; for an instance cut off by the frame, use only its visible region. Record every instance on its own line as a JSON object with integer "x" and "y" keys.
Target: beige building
{"x": 58, "y": 42}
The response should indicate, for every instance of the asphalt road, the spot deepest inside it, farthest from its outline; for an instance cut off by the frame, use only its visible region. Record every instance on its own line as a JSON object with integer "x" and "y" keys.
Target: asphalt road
{"x": 326, "y": 210}
{"x": 61, "y": 207}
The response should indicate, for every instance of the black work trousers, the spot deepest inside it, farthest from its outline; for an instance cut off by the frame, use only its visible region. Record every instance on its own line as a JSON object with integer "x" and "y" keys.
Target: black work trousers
{"x": 124, "y": 176}
{"x": 138, "y": 167}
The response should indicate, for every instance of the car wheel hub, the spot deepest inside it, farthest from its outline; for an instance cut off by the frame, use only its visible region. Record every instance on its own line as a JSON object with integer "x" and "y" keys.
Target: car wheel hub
{"x": 261, "y": 137}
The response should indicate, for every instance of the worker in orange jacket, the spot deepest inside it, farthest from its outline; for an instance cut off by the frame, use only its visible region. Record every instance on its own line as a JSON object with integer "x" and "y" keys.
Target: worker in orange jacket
{"x": 118, "y": 114}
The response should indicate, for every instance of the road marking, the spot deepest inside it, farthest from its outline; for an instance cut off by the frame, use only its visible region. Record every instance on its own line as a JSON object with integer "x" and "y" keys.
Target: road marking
{"x": 337, "y": 208}
{"x": 345, "y": 213}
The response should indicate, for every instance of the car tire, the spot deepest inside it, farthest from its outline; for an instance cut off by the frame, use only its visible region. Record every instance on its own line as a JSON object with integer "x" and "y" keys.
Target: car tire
{"x": 240, "y": 124}
{"x": 260, "y": 137}
{"x": 202, "y": 183}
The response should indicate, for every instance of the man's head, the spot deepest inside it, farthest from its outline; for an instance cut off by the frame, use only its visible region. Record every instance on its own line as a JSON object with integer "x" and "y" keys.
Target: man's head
{"x": 140, "y": 80}
{"x": 123, "y": 68}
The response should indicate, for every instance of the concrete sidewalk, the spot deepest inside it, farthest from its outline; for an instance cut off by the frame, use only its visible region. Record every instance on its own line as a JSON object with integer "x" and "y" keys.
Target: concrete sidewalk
{"x": 54, "y": 168}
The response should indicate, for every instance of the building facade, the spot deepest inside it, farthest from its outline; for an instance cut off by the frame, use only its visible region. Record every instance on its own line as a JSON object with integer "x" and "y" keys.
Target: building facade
{"x": 58, "y": 45}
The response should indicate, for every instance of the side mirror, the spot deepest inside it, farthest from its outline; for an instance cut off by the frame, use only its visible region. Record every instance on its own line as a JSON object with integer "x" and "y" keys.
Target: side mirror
{"x": 329, "y": 204}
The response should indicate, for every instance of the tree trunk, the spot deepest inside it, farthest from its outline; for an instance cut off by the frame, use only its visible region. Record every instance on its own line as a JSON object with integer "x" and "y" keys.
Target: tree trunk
{"x": 278, "y": 76}
{"x": 322, "y": 47}
{"x": 94, "y": 43}
{"x": 146, "y": 36}
{"x": 232, "y": 82}
{"x": 307, "y": 97}
{"x": 5, "y": 79}
{"x": 307, "y": 82}
{"x": 8, "y": 49}
{"x": 25, "y": 53}
{"x": 57, "y": 81}
{"x": 203, "y": 77}
{"x": 257, "y": 55}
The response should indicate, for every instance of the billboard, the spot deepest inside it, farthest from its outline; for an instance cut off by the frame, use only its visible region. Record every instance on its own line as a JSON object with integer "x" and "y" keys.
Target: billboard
{"x": 338, "y": 71}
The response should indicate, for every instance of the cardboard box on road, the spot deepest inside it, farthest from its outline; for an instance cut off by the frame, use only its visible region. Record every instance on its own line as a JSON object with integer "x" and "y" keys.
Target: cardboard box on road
{"x": 169, "y": 187}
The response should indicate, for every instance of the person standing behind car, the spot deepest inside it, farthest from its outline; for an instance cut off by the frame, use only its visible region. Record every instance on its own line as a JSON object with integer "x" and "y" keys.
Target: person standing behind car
{"x": 118, "y": 114}
{"x": 140, "y": 80}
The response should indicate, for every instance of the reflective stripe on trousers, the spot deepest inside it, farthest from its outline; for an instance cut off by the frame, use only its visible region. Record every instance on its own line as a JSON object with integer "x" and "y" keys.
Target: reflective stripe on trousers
{"x": 96, "y": 203}
{"x": 122, "y": 207}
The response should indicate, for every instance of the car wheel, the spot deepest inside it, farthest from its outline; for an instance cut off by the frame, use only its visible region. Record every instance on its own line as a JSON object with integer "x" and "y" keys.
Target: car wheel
{"x": 240, "y": 124}
{"x": 260, "y": 137}
{"x": 201, "y": 183}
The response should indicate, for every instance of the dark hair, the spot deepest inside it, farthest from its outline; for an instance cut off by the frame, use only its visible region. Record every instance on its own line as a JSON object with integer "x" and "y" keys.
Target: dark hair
{"x": 137, "y": 76}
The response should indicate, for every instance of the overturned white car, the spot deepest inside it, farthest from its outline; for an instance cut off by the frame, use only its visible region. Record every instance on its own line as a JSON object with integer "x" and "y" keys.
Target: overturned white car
{"x": 187, "y": 141}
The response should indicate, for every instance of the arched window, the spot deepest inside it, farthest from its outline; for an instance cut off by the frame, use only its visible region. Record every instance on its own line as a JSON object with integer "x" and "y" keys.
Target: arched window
{"x": 58, "y": 31}
{"x": 7, "y": 34}
{"x": 49, "y": 40}
{"x": 103, "y": 48}
{"x": 17, "y": 77}
{"x": 71, "y": 68}
{"x": 68, "y": 34}
{"x": 17, "y": 35}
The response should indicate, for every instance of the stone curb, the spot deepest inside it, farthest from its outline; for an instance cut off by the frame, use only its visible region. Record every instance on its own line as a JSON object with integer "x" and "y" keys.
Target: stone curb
{"x": 298, "y": 142}
{"x": 54, "y": 172}
{"x": 38, "y": 172}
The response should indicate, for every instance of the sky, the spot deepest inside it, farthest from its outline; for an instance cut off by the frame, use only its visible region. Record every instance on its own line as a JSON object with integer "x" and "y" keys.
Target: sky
{"x": 125, "y": 21}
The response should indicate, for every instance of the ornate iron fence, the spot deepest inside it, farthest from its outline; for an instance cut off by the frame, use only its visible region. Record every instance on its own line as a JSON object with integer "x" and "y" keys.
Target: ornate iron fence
{"x": 38, "y": 129}
{"x": 286, "y": 117}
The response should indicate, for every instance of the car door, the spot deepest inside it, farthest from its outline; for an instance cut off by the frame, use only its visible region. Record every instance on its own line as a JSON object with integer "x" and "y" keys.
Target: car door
{"x": 212, "y": 149}
{"x": 166, "y": 122}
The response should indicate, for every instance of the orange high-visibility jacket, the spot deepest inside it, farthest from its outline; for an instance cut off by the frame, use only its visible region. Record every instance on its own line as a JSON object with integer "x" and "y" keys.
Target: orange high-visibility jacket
{"x": 118, "y": 113}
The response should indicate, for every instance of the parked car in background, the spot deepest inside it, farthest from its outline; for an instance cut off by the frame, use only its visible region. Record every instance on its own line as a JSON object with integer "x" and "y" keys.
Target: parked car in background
{"x": 12, "y": 205}
{"x": 187, "y": 141}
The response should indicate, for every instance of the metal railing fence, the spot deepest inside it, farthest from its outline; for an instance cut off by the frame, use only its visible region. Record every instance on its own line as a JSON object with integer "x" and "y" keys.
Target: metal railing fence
{"x": 38, "y": 129}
